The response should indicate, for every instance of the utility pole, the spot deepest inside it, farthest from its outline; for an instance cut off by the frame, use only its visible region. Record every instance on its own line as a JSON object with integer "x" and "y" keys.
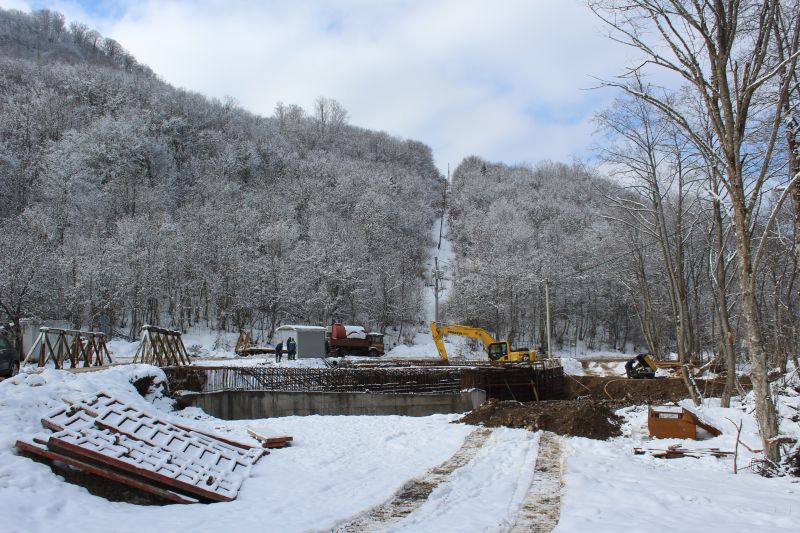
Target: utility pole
{"x": 436, "y": 290}
{"x": 437, "y": 274}
{"x": 444, "y": 208}
{"x": 547, "y": 303}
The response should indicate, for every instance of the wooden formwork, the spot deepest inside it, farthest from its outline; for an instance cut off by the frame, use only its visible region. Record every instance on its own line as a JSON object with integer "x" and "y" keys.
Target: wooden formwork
{"x": 70, "y": 346}
{"x": 107, "y": 438}
{"x": 161, "y": 347}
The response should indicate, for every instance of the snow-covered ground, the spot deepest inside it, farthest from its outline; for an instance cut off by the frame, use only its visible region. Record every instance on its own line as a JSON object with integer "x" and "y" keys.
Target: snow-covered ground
{"x": 339, "y": 467}
{"x": 608, "y": 488}
{"x": 446, "y": 258}
{"x": 422, "y": 347}
{"x": 579, "y": 350}
{"x": 199, "y": 342}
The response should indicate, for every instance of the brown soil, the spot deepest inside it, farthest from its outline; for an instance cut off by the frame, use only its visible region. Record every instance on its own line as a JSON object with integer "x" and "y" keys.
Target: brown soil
{"x": 638, "y": 391}
{"x": 581, "y": 418}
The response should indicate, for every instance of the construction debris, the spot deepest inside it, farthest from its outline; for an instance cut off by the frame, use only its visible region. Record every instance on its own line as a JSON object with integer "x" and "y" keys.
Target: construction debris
{"x": 280, "y": 441}
{"x": 580, "y": 418}
{"x": 674, "y": 422}
{"x": 161, "y": 347}
{"x": 677, "y": 452}
{"x": 69, "y": 346}
{"x": 244, "y": 345}
{"x": 116, "y": 441}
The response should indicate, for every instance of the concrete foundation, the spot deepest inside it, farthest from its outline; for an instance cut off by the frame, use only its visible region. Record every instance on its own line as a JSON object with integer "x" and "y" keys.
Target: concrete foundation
{"x": 243, "y": 405}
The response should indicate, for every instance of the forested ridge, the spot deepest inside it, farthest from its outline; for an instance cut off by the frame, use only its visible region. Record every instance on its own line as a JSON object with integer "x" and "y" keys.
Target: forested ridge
{"x": 125, "y": 201}
{"x": 141, "y": 203}
{"x": 513, "y": 227}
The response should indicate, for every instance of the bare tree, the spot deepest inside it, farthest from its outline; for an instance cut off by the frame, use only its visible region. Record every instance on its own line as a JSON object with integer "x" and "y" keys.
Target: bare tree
{"x": 724, "y": 51}
{"x": 787, "y": 37}
{"x": 651, "y": 162}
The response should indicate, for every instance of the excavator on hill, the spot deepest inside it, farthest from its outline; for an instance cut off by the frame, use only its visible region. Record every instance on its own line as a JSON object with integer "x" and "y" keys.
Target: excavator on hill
{"x": 496, "y": 350}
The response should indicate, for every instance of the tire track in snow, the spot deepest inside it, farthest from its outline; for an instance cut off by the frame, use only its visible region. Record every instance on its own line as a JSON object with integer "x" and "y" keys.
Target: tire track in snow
{"x": 542, "y": 506}
{"x": 416, "y": 491}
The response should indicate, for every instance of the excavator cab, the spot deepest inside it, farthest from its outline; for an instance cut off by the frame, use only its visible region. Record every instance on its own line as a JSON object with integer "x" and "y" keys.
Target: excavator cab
{"x": 497, "y": 350}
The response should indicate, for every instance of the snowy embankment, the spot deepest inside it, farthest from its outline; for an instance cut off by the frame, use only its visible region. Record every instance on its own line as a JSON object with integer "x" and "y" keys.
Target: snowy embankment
{"x": 199, "y": 342}
{"x": 423, "y": 347}
{"x": 608, "y": 488}
{"x": 337, "y": 467}
{"x": 446, "y": 257}
{"x": 341, "y": 467}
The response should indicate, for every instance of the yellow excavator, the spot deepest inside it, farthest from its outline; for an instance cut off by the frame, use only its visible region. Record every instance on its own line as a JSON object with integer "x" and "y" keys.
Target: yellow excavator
{"x": 496, "y": 350}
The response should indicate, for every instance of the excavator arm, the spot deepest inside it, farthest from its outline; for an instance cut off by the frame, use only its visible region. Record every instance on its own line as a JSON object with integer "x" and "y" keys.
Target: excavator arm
{"x": 438, "y": 331}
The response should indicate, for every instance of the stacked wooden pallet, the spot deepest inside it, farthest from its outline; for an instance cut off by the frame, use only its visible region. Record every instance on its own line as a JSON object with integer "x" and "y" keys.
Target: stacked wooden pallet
{"x": 117, "y": 441}
{"x": 272, "y": 442}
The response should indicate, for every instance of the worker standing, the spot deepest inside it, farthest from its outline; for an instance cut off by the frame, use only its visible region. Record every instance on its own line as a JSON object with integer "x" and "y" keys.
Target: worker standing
{"x": 278, "y": 352}
{"x": 629, "y": 367}
{"x": 291, "y": 349}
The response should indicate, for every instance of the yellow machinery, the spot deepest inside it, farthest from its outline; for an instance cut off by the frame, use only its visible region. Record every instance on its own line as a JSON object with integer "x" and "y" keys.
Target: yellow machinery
{"x": 496, "y": 350}
{"x": 641, "y": 367}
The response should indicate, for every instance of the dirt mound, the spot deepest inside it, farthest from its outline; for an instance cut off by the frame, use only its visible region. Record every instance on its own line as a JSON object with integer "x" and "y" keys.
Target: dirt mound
{"x": 637, "y": 391}
{"x": 581, "y": 418}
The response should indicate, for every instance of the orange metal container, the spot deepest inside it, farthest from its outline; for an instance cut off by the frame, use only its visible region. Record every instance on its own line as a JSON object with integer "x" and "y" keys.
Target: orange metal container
{"x": 671, "y": 423}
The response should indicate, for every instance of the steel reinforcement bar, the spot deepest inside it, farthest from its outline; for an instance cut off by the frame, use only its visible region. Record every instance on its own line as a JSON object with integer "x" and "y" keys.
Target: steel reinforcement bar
{"x": 507, "y": 382}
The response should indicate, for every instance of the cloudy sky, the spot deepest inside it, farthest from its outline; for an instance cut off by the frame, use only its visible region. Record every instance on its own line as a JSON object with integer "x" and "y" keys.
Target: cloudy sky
{"x": 507, "y": 80}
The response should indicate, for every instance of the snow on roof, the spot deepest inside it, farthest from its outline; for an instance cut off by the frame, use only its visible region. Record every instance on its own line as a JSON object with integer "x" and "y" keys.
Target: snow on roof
{"x": 300, "y": 328}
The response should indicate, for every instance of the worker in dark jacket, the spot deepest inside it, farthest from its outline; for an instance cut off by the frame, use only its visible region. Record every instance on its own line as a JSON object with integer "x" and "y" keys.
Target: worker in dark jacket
{"x": 291, "y": 349}
{"x": 278, "y": 352}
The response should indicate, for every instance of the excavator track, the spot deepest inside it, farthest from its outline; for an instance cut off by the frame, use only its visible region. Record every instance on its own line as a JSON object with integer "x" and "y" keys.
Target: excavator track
{"x": 416, "y": 491}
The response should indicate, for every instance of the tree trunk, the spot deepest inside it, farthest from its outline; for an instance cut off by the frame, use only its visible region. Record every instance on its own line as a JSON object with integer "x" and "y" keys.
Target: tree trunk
{"x": 765, "y": 407}
{"x": 726, "y": 336}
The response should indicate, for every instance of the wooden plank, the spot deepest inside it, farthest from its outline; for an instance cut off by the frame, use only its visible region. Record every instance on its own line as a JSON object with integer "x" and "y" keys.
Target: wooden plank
{"x": 104, "y": 352}
{"x": 281, "y": 441}
{"x": 118, "y": 477}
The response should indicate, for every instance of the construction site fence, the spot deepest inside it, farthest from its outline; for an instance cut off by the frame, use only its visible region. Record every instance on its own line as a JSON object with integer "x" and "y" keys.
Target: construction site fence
{"x": 521, "y": 383}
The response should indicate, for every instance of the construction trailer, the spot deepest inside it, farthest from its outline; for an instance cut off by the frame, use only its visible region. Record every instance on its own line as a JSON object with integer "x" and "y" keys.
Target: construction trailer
{"x": 310, "y": 339}
{"x": 28, "y": 335}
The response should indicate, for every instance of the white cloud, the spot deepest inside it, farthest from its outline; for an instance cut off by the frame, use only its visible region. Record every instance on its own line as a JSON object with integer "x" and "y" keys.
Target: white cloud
{"x": 500, "y": 79}
{"x": 15, "y": 4}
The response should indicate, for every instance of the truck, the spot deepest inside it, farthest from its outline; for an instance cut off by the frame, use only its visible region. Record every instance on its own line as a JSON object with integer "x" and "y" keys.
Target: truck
{"x": 9, "y": 354}
{"x": 498, "y": 351}
{"x": 341, "y": 340}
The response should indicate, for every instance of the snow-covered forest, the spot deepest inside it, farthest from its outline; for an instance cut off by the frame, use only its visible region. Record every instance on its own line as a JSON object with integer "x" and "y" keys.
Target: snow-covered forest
{"x": 124, "y": 201}
{"x": 514, "y": 227}
{"x": 141, "y": 203}
{"x": 654, "y": 277}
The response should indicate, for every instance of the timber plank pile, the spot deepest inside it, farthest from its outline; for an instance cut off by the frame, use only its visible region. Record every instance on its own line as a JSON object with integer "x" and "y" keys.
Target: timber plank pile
{"x": 110, "y": 439}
